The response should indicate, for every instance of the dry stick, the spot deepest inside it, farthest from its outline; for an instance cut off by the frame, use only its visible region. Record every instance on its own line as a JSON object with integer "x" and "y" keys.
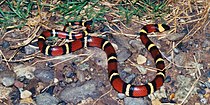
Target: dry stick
{"x": 20, "y": 60}
{"x": 1, "y": 53}
{"x": 191, "y": 89}
{"x": 135, "y": 65}
{"x": 94, "y": 103}
{"x": 67, "y": 57}
{"x": 198, "y": 28}
{"x": 172, "y": 53}
{"x": 32, "y": 36}
{"x": 193, "y": 20}
{"x": 86, "y": 59}
{"x": 186, "y": 36}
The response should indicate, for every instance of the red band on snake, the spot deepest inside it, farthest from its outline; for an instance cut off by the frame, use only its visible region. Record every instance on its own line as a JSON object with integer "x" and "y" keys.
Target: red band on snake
{"x": 118, "y": 84}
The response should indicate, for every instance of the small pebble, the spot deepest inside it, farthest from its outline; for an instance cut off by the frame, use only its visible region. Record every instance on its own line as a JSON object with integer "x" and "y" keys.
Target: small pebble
{"x": 202, "y": 85}
{"x": 176, "y": 36}
{"x": 123, "y": 55}
{"x": 121, "y": 95}
{"x": 148, "y": 62}
{"x": 205, "y": 43}
{"x": 29, "y": 50}
{"x": 141, "y": 59}
{"x": 70, "y": 74}
{"x": 18, "y": 84}
{"x": 207, "y": 84}
{"x": 203, "y": 100}
{"x": 168, "y": 79}
{"x": 49, "y": 64}
{"x": 180, "y": 58}
{"x": 130, "y": 78}
{"x": 5, "y": 44}
{"x": 127, "y": 70}
{"x": 45, "y": 75}
{"x": 2, "y": 68}
{"x": 25, "y": 94}
{"x": 77, "y": 94}
{"x": 46, "y": 99}
{"x": 176, "y": 50}
{"x": 74, "y": 65}
{"x": 208, "y": 73}
{"x": 135, "y": 101}
{"x": 201, "y": 91}
{"x": 62, "y": 83}
{"x": 49, "y": 90}
{"x": 183, "y": 47}
{"x": 80, "y": 75}
{"x": 164, "y": 100}
{"x": 62, "y": 103}
{"x": 8, "y": 81}
{"x": 207, "y": 35}
{"x": 141, "y": 69}
{"x": 22, "y": 70}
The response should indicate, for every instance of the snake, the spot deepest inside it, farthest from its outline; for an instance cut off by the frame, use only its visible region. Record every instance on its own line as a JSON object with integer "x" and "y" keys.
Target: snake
{"x": 81, "y": 40}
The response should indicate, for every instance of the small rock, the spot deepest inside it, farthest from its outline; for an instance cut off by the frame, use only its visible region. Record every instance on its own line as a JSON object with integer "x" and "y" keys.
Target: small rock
{"x": 127, "y": 70}
{"x": 208, "y": 73}
{"x": 136, "y": 44}
{"x": 123, "y": 55}
{"x": 205, "y": 43}
{"x": 46, "y": 99}
{"x": 2, "y": 68}
{"x": 201, "y": 91}
{"x": 18, "y": 84}
{"x": 168, "y": 79}
{"x": 176, "y": 50}
{"x": 176, "y": 36}
{"x": 183, "y": 46}
{"x": 45, "y": 75}
{"x": 25, "y": 94}
{"x": 5, "y": 44}
{"x": 80, "y": 76}
{"x": 180, "y": 59}
{"x": 141, "y": 69}
{"x": 207, "y": 35}
{"x": 202, "y": 85}
{"x": 135, "y": 101}
{"x": 148, "y": 62}
{"x": 141, "y": 59}
{"x": 8, "y": 81}
{"x": 204, "y": 100}
{"x": 77, "y": 94}
{"x": 49, "y": 64}
{"x": 22, "y": 70}
{"x": 130, "y": 78}
{"x": 70, "y": 74}
{"x": 62, "y": 103}
{"x": 49, "y": 90}
{"x": 182, "y": 21}
{"x": 207, "y": 84}
{"x": 121, "y": 95}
